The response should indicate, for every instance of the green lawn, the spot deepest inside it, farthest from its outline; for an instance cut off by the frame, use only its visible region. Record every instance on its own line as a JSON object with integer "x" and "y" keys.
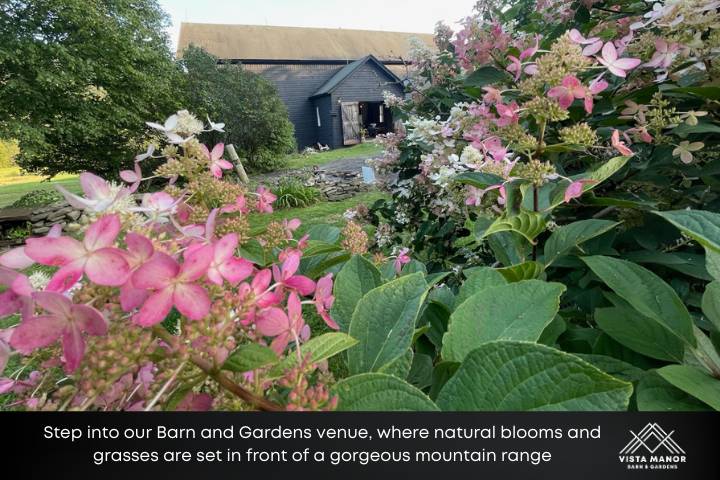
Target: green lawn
{"x": 321, "y": 158}
{"x": 13, "y": 184}
{"x": 327, "y": 213}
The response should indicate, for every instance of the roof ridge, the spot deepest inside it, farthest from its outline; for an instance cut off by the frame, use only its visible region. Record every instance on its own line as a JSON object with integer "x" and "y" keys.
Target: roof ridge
{"x": 242, "y": 42}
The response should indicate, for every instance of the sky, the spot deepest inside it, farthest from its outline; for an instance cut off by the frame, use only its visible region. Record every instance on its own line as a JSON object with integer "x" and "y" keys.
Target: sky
{"x": 418, "y": 16}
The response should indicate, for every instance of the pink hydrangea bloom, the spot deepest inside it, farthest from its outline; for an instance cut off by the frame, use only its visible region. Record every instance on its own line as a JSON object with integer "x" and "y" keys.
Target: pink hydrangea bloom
{"x": 324, "y": 300}
{"x": 515, "y": 67}
{"x": 204, "y": 233}
{"x": 492, "y": 95}
{"x": 225, "y": 265}
{"x": 508, "y": 114}
{"x": 195, "y": 402}
{"x": 20, "y": 386}
{"x": 575, "y": 189}
{"x": 133, "y": 177}
{"x": 17, "y": 295}
{"x": 619, "y": 145}
{"x": 173, "y": 285}
{"x": 402, "y": 259}
{"x": 616, "y": 66}
{"x": 99, "y": 194}
{"x": 285, "y": 275}
{"x": 158, "y": 206}
{"x": 63, "y": 320}
{"x": 257, "y": 295}
{"x": 95, "y": 256}
{"x": 139, "y": 251}
{"x": 274, "y": 322}
{"x": 592, "y": 45}
{"x": 664, "y": 55}
{"x": 475, "y": 195}
{"x": 289, "y": 226}
{"x": 265, "y": 200}
{"x": 217, "y": 164}
{"x": 641, "y": 133}
{"x": 532, "y": 50}
{"x": 4, "y": 348}
{"x": 240, "y": 205}
{"x": 18, "y": 259}
{"x": 494, "y": 147}
{"x": 570, "y": 89}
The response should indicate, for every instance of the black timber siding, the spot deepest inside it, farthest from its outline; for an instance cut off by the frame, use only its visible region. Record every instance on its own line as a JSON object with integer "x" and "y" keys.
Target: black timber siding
{"x": 297, "y": 82}
{"x": 295, "y": 85}
{"x": 325, "y": 132}
{"x": 366, "y": 84}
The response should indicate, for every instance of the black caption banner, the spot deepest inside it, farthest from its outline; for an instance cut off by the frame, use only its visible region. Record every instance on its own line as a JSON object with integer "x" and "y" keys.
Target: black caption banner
{"x": 363, "y": 445}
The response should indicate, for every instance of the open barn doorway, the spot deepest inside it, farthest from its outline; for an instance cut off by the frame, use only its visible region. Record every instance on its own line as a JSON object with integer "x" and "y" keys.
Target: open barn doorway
{"x": 375, "y": 118}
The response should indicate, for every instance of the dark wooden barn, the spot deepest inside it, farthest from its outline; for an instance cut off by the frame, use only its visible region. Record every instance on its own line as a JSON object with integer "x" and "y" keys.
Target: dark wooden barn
{"x": 331, "y": 80}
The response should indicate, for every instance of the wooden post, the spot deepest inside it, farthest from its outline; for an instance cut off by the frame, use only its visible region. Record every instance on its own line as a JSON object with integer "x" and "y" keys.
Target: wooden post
{"x": 238, "y": 163}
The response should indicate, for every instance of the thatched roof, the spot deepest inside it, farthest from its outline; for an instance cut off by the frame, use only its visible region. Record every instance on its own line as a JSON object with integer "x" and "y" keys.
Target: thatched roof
{"x": 259, "y": 42}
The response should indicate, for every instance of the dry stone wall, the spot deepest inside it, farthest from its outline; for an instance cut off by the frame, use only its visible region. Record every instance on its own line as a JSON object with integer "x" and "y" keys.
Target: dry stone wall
{"x": 62, "y": 212}
{"x": 336, "y": 186}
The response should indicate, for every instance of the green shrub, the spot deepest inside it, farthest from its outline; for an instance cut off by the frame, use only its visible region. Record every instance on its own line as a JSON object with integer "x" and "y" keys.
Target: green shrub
{"x": 18, "y": 233}
{"x": 38, "y": 198}
{"x": 291, "y": 193}
{"x": 265, "y": 160}
{"x": 256, "y": 120}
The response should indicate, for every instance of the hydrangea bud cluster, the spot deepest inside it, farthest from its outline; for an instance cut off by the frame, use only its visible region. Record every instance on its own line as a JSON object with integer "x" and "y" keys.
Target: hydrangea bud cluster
{"x": 579, "y": 134}
{"x": 355, "y": 239}
{"x": 123, "y": 351}
{"x": 306, "y": 396}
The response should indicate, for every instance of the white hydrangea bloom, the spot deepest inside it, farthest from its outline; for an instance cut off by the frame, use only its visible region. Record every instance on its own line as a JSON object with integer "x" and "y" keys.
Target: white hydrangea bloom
{"x": 471, "y": 156}
{"x": 187, "y": 124}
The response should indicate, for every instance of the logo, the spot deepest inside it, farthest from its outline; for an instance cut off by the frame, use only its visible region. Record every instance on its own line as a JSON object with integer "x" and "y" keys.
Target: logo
{"x": 652, "y": 448}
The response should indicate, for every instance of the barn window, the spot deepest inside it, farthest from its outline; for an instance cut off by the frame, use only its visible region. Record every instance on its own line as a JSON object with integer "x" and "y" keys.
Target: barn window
{"x": 317, "y": 114}
{"x": 382, "y": 114}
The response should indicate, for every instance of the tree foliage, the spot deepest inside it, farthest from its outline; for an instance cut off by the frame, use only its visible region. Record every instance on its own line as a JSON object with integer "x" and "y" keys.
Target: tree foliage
{"x": 79, "y": 79}
{"x": 256, "y": 120}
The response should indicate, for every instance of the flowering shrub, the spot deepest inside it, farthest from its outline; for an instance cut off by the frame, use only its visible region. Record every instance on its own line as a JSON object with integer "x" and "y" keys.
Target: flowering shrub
{"x": 167, "y": 302}
{"x": 557, "y": 177}
{"x": 551, "y": 244}
{"x": 505, "y": 107}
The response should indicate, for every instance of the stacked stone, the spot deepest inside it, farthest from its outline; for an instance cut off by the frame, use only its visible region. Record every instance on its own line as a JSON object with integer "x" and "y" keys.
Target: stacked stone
{"x": 61, "y": 212}
{"x": 338, "y": 185}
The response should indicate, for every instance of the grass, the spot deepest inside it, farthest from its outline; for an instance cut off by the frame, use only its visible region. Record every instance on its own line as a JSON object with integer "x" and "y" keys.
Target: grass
{"x": 363, "y": 149}
{"x": 325, "y": 213}
{"x": 14, "y": 184}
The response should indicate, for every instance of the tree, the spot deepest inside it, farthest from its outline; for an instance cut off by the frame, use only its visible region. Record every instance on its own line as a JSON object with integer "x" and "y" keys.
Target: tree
{"x": 74, "y": 73}
{"x": 256, "y": 120}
